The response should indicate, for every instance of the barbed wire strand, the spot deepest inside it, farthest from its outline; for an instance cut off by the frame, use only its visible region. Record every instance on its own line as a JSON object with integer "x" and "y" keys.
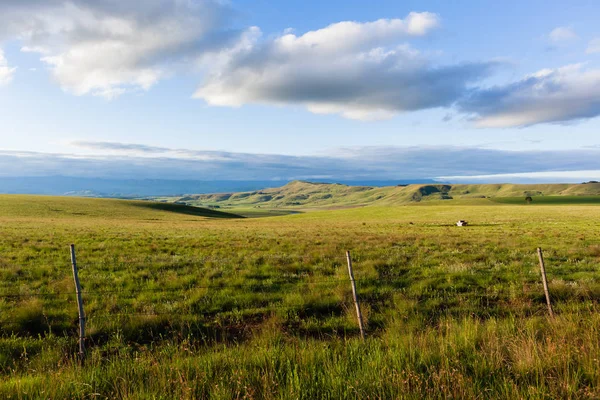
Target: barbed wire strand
{"x": 256, "y": 284}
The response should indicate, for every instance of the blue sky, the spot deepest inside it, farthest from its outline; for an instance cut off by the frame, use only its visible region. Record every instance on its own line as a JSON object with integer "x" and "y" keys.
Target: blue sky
{"x": 170, "y": 82}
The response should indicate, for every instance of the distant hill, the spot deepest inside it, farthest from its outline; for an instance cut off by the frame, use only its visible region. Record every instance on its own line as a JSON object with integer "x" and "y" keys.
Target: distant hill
{"x": 301, "y": 194}
{"x": 100, "y": 187}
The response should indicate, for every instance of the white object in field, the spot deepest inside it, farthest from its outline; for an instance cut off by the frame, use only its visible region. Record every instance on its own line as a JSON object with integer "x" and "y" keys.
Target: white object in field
{"x": 462, "y": 222}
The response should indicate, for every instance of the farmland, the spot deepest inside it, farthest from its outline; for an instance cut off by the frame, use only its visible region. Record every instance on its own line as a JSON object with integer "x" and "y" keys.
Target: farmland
{"x": 193, "y": 303}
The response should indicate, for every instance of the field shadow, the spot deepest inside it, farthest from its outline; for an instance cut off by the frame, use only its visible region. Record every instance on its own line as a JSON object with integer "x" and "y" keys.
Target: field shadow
{"x": 146, "y": 330}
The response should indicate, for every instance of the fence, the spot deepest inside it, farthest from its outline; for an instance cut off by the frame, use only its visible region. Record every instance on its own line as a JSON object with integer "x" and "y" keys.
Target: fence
{"x": 372, "y": 297}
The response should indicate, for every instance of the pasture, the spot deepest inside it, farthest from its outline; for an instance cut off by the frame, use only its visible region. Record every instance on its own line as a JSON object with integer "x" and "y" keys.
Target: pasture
{"x": 192, "y": 303}
{"x": 540, "y": 200}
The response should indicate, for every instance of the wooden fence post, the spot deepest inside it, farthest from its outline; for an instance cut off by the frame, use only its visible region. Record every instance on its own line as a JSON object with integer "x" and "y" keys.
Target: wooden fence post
{"x": 545, "y": 280}
{"x": 356, "y": 305}
{"x": 79, "y": 305}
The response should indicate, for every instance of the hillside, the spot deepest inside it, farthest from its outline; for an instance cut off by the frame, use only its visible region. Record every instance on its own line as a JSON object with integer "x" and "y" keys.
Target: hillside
{"x": 72, "y": 207}
{"x": 306, "y": 195}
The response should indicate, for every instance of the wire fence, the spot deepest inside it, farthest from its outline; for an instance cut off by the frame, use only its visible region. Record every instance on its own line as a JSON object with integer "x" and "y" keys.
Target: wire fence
{"x": 396, "y": 285}
{"x": 372, "y": 292}
{"x": 387, "y": 285}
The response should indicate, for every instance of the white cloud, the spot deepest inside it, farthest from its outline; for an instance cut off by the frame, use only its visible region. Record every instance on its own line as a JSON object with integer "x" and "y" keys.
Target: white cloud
{"x": 342, "y": 37}
{"x": 558, "y": 95}
{"x": 6, "y": 72}
{"x": 593, "y": 46}
{"x": 106, "y": 47}
{"x": 562, "y": 34}
{"x": 359, "y": 70}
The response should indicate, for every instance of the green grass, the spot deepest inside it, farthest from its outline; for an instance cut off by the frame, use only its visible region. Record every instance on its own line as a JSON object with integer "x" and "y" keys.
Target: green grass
{"x": 188, "y": 306}
{"x": 553, "y": 200}
{"x": 61, "y": 207}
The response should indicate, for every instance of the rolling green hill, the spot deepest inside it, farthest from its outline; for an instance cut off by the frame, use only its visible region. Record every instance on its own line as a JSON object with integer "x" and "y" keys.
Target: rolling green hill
{"x": 307, "y": 195}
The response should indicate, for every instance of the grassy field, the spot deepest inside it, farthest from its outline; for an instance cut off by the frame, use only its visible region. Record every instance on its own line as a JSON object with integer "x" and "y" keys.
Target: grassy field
{"x": 182, "y": 303}
{"x": 550, "y": 200}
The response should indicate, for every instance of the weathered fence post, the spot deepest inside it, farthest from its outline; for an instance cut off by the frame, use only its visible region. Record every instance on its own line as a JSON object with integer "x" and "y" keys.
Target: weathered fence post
{"x": 79, "y": 305}
{"x": 545, "y": 280}
{"x": 356, "y": 305}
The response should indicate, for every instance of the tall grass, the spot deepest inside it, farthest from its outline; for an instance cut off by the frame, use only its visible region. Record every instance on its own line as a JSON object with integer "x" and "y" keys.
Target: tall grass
{"x": 466, "y": 358}
{"x": 183, "y": 306}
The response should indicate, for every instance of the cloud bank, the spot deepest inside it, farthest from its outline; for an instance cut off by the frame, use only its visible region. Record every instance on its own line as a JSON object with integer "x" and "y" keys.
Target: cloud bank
{"x": 540, "y": 177}
{"x": 131, "y": 161}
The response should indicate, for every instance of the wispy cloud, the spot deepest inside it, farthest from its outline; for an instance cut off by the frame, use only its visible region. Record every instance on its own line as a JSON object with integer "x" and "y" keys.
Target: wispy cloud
{"x": 141, "y": 150}
{"x": 375, "y": 163}
{"x": 562, "y": 34}
{"x": 115, "y": 146}
{"x": 6, "y": 72}
{"x": 593, "y": 46}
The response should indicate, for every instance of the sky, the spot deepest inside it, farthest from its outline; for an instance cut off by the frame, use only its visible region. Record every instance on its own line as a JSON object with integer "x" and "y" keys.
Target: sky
{"x": 271, "y": 90}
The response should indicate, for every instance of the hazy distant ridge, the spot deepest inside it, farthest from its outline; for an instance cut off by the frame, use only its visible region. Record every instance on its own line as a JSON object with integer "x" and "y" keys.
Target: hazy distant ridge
{"x": 100, "y": 187}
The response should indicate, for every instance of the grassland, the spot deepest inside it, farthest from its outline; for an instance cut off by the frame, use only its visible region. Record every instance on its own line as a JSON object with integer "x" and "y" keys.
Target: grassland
{"x": 192, "y": 306}
{"x": 550, "y": 200}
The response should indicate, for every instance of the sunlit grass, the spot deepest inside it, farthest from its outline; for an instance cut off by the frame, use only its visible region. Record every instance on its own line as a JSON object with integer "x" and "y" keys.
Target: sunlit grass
{"x": 185, "y": 306}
